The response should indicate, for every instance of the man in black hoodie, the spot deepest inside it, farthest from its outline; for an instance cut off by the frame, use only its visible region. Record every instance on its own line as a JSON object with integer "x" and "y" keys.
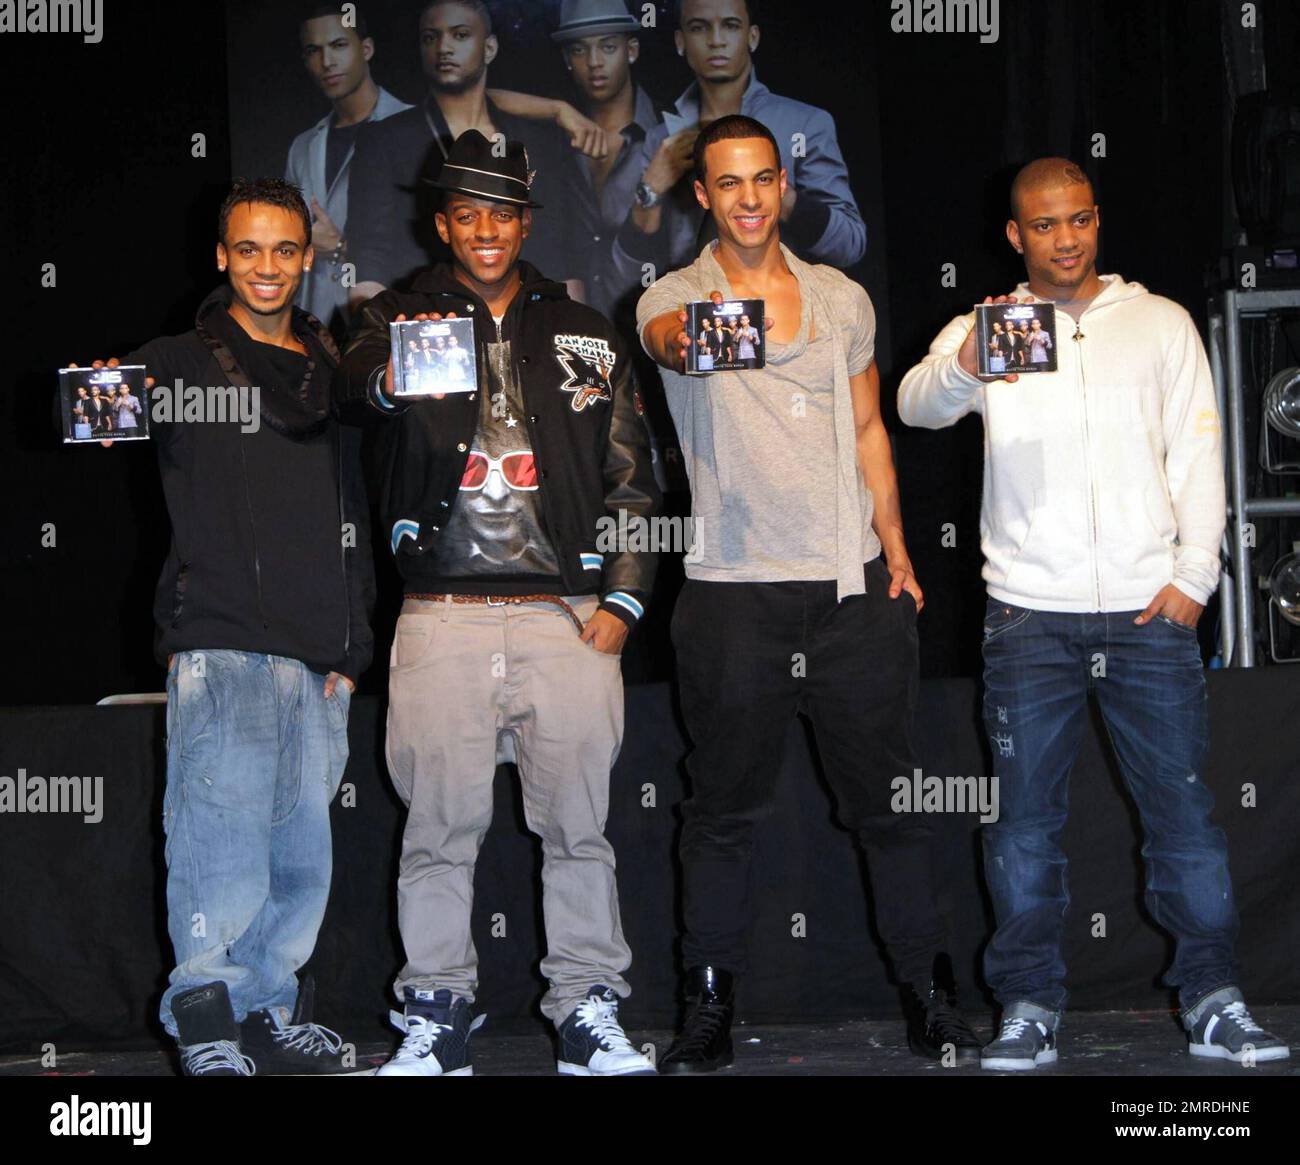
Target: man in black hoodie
{"x": 502, "y": 505}
{"x": 262, "y": 616}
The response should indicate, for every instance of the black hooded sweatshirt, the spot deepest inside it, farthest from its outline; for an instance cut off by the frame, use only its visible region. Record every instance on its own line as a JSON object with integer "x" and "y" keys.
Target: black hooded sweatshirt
{"x": 270, "y": 544}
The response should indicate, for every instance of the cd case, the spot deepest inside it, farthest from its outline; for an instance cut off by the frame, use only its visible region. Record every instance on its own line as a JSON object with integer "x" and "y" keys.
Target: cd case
{"x": 433, "y": 356}
{"x": 725, "y": 336}
{"x": 104, "y": 404}
{"x": 1015, "y": 337}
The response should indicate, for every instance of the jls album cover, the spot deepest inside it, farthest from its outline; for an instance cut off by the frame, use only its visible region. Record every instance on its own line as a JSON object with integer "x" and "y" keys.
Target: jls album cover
{"x": 1015, "y": 337}
{"x": 725, "y": 336}
{"x": 103, "y": 404}
{"x": 433, "y": 356}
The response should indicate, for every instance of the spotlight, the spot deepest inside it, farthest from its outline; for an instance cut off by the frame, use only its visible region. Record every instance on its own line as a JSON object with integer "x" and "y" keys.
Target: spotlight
{"x": 1284, "y": 587}
{"x": 1282, "y": 402}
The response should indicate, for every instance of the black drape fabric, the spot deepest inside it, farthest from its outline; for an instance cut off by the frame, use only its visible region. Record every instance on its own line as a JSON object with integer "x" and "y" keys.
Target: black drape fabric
{"x": 84, "y": 954}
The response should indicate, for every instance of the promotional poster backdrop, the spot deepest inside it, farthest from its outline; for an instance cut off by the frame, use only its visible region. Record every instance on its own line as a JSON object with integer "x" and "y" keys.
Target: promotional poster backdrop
{"x": 226, "y": 92}
{"x": 273, "y": 98}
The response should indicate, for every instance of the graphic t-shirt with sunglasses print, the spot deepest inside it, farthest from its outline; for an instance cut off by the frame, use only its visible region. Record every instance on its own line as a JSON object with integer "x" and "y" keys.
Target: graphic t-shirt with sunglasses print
{"x": 495, "y": 541}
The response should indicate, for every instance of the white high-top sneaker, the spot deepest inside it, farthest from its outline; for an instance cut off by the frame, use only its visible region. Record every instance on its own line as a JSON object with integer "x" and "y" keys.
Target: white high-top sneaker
{"x": 437, "y": 1030}
{"x": 593, "y": 1044}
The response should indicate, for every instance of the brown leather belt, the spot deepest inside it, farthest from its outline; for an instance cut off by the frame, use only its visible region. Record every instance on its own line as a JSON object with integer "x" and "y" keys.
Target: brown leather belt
{"x": 503, "y": 600}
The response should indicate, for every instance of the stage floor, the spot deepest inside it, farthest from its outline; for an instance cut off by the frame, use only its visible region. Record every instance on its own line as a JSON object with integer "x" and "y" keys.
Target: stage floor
{"x": 1105, "y": 1043}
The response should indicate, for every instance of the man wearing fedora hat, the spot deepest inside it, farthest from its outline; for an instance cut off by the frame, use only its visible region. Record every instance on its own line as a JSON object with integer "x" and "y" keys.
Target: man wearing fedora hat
{"x": 515, "y": 613}
{"x": 598, "y": 40}
{"x": 390, "y": 225}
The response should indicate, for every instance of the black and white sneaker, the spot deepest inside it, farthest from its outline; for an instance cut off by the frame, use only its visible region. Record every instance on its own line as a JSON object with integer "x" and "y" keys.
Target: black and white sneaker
{"x": 1027, "y": 1039}
{"x": 207, "y": 1035}
{"x": 1219, "y": 1027}
{"x": 593, "y": 1044}
{"x": 437, "y": 1029}
{"x": 284, "y": 1044}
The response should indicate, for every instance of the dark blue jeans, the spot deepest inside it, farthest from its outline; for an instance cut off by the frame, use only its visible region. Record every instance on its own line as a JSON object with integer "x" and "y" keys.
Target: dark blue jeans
{"x": 1039, "y": 667}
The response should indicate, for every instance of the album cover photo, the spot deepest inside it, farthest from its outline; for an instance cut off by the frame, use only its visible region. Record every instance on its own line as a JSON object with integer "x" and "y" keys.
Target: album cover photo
{"x": 433, "y": 356}
{"x": 104, "y": 404}
{"x": 1015, "y": 337}
{"x": 725, "y": 336}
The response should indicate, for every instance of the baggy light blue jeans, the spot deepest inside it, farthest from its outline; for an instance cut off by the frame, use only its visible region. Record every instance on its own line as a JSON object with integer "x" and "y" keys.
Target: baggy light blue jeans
{"x": 255, "y": 755}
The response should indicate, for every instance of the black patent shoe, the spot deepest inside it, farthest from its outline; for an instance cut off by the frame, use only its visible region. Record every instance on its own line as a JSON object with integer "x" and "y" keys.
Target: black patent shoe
{"x": 704, "y": 1043}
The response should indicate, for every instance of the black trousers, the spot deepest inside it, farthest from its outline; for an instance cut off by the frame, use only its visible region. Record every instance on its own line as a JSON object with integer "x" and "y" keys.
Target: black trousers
{"x": 739, "y": 651}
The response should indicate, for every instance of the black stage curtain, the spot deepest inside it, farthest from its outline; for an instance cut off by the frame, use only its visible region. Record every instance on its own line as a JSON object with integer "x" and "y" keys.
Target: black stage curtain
{"x": 84, "y": 952}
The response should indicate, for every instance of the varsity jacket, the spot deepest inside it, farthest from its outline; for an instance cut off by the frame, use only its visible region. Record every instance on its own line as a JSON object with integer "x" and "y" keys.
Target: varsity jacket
{"x": 585, "y": 423}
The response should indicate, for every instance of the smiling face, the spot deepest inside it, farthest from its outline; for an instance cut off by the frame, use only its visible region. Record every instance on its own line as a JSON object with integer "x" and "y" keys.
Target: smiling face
{"x": 1056, "y": 227}
{"x": 337, "y": 59}
{"x": 485, "y": 237}
{"x": 716, "y": 39}
{"x": 265, "y": 251}
{"x": 742, "y": 188}
{"x": 455, "y": 47}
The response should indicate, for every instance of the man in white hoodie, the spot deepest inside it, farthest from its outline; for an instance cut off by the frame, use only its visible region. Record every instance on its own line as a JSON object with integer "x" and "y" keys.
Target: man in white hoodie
{"x": 1102, "y": 515}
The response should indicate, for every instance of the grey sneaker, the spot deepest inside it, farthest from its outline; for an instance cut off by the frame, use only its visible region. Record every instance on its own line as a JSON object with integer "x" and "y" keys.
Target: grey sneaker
{"x": 1219, "y": 1027}
{"x": 1027, "y": 1038}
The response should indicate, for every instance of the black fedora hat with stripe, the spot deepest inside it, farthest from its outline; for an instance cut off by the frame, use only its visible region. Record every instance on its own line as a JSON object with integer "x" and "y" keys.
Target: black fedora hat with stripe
{"x": 477, "y": 167}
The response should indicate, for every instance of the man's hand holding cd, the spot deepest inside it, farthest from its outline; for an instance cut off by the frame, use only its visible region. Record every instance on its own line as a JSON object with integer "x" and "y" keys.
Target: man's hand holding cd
{"x": 670, "y": 350}
{"x": 401, "y": 318}
{"x": 113, "y": 362}
{"x": 966, "y": 356}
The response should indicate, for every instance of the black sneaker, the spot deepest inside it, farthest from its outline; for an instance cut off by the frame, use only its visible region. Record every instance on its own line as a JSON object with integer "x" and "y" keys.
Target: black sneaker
{"x": 935, "y": 1026}
{"x": 207, "y": 1035}
{"x": 285, "y": 1044}
{"x": 704, "y": 1043}
{"x": 593, "y": 1043}
{"x": 1027, "y": 1039}
{"x": 1219, "y": 1027}
{"x": 437, "y": 1029}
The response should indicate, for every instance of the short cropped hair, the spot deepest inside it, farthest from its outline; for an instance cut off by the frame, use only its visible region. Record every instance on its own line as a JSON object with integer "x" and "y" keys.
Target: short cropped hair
{"x": 358, "y": 25}
{"x": 733, "y": 126}
{"x": 268, "y": 192}
{"x": 751, "y": 12}
{"x": 479, "y": 7}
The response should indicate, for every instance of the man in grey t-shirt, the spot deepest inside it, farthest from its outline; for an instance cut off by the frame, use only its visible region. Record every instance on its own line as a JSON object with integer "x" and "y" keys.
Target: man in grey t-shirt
{"x": 799, "y": 595}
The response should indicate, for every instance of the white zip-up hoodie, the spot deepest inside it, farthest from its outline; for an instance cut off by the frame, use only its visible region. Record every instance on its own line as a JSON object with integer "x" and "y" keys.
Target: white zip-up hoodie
{"x": 1103, "y": 481}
